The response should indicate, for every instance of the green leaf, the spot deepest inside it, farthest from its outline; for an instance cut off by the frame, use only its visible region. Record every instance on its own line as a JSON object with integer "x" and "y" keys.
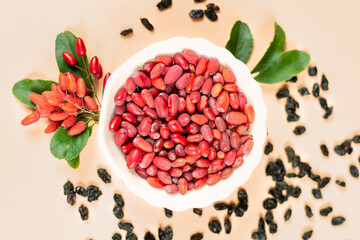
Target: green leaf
{"x": 65, "y": 42}
{"x": 284, "y": 67}
{"x": 274, "y": 50}
{"x": 23, "y": 88}
{"x": 240, "y": 43}
{"x": 74, "y": 163}
{"x": 63, "y": 146}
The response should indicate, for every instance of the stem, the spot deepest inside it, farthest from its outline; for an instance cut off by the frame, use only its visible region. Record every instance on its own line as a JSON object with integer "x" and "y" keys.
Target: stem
{"x": 91, "y": 82}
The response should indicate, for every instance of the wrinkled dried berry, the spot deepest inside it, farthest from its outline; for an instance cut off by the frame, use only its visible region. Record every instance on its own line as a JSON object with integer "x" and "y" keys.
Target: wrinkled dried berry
{"x": 299, "y": 130}
{"x": 212, "y": 7}
{"x": 268, "y": 148}
{"x": 354, "y": 171}
{"x": 197, "y": 211}
{"x": 93, "y": 193}
{"x": 324, "y": 83}
{"x": 231, "y": 209}
{"x": 104, "y": 175}
{"x": 292, "y": 117}
{"x": 356, "y": 139}
{"x": 287, "y": 215}
{"x": 307, "y": 235}
{"x": 166, "y": 234}
{"x": 118, "y": 212}
{"x": 316, "y": 90}
{"x": 116, "y": 236}
{"x": 149, "y": 236}
{"x": 328, "y": 112}
{"x": 277, "y": 194}
{"x": 261, "y": 225}
{"x": 84, "y": 212}
{"x": 340, "y": 183}
{"x": 227, "y": 225}
{"x": 312, "y": 71}
{"x": 240, "y": 209}
{"x": 242, "y": 196}
{"x": 322, "y": 182}
{"x": 291, "y": 175}
{"x": 147, "y": 24}
{"x": 71, "y": 199}
{"x": 290, "y": 109}
{"x": 326, "y": 211}
{"x": 323, "y": 103}
{"x": 297, "y": 192}
{"x": 282, "y": 93}
{"x": 215, "y": 226}
{"x": 131, "y": 236}
{"x": 220, "y": 206}
{"x": 168, "y": 213}
{"x": 269, "y": 218}
{"x": 308, "y": 211}
{"x": 316, "y": 193}
{"x": 197, "y": 236}
{"x": 258, "y": 236}
{"x": 336, "y": 221}
{"x": 196, "y": 13}
{"x": 126, "y": 32}
{"x": 119, "y": 200}
{"x": 293, "y": 79}
{"x": 304, "y": 91}
{"x": 199, "y": 1}
{"x": 211, "y": 15}
{"x": 339, "y": 150}
{"x": 269, "y": 203}
{"x": 126, "y": 226}
{"x": 164, "y": 4}
{"x": 324, "y": 150}
{"x": 273, "y": 227}
{"x": 81, "y": 191}
{"x": 68, "y": 188}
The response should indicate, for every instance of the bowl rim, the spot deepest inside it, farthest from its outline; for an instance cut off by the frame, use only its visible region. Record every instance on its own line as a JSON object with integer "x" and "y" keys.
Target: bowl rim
{"x": 204, "y": 196}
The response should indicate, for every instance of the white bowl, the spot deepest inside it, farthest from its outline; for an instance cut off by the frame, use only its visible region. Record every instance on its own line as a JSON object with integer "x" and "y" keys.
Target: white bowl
{"x": 207, "y": 194}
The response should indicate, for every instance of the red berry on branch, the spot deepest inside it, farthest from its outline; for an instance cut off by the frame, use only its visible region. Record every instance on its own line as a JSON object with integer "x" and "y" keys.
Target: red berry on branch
{"x": 94, "y": 65}
{"x": 69, "y": 59}
{"x": 52, "y": 127}
{"x": 71, "y": 82}
{"x": 78, "y": 128}
{"x": 81, "y": 88}
{"x": 31, "y": 118}
{"x": 105, "y": 79}
{"x": 100, "y": 72}
{"x": 90, "y": 103}
{"x": 80, "y": 47}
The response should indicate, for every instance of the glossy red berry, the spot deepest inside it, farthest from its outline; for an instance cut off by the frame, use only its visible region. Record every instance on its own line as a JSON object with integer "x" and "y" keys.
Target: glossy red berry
{"x": 69, "y": 59}
{"x": 80, "y": 47}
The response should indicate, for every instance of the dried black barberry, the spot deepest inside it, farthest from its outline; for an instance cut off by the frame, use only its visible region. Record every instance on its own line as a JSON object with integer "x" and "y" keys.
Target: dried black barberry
{"x": 287, "y": 214}
{"x": 84, "y": 212}
{"x": 119, "y": 200}
{"x": 197, "y": 211}
{"x": 316, "y": 193}
{"x": 328, "y": 112}
{"x": 324, "y": 83}
{"x": 118, "y": 212}
{"x": 290, "y": 153}
{"x": 316, "y": 90}
{"x": 81, "y": 191}
{"x": 270, "y": 203}
{"x": 323, "y": 103}
{"x": 71, "y": 199}
{"x": 324, "y": 150}
{"x": 211, "y": 15}
{"x": 93, "y": 193}
{"x": 126, "y": 32}
{"x": 276, "y": 170}
{"x": 356, "y": 139}
{"x": 282, "y": 93}
{"x": 293, "y": 79}
{"x": 268, "y": 148}
{"x": 291, "y": 175}
{"x": 196, "y": 13}
{"x": 68, "y": 188}
{"x": 131, "y": 236}
{"x": 277, "y": 194}
{"x": 126, "y": 226}
{"x": 116, "y": 236}
{"x": 227, "y": 225}
{"x": 307, "y": 235}
{"x": 308, "y": 211}
{"x": 273, "y": 227}
{"x": 296, "y": 193}
{"x": 339, "y": 150}
{"x": 261, "y": 225}
{"x": 231, "y": 209}
{"x": 199, "y": 1}
{"x": 354, "y": 171}
{"x": 168, "y": 213}
{"x": 166, "y": 234}
{"x": 312, "y": 71}
{"x": 299, "y": 130}
{"x": 104, "y": 175}
{"x": 290, "y": 109}
{"x": 336, "y": 221}
{"x": 340, "y": 183}
{"x": 164, "y": 4}
{"x": 147, "y": 24}
{"x": 220, "y": 206}
{"x": 326, "y": 211}
{"x": 240, "y": 209}
{"x": 212, "y": 7}
{"x": 197, "y": 236}
{"x": 242, "y": 196}
{"x": 215, "y": 226}
{"x": 322, "y": 182}
{"x": 258, "y": 236}
{"x": 304, "y": 91}
{"x": 269, "y": 218}
{"x": 149, "y": 236}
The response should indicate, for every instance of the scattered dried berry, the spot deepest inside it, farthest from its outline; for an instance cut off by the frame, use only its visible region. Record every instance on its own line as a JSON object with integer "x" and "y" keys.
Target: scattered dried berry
{"x": 68, "y": 188}
{"x": 312, "y": 71}
{"x": 126, "y": 32}
{"x": 307, "y": 235}
{"x": 149, "y": 236}
{"x": 324, "y": 83}
{"x": 304, "y": 91}
{"x": 328, "y": 112}
{"x": 240, "y": 209}
{"x": 119, "y": 200}
{"x": 211, "y": 15}
{"x": 131, "y": 236}
{"x": 269, "y": 218}
{"x": 164, "y": 4}
{"x": 231, "y": 209}
{"x": 84, "y": 212}
{"x": 270, "y": 203}
{"x": 293, "y": 79}
{"x": 290, "y": 109}
{"x": 316, "y": 90}
{"x": 308, "y": 211}
{"x": 276, "y": 170}
{"x": 197, "y": 211}
{"x": 324, "y": 150}
{"x": 261, "y": 225}
{"x": 336, "y": 221}
{"x": 227, "y": 225}
{"x": 212, "y": 7}
{"x": 273, "y": 227}
{"x": 196, "y": 13}
{"x": 268, "y": 148}
{"x": 118, "y": 212}
{"x": 215, "y": 226}
{"x": 199, "y": 1}
{"x": 166, "y": 234}
{"x": 291, "y": 175}
{"x": 147, "y": 24}
{"x": 220, "y": 206}
{"x": 316, "y": 193}
{"x": 356, "y": 139}
{"x": 242, "y": 196}
{"x": 323, "y": 103}
{"x": 116, "y": 236}
{"x": 354, "y": 171}
{"x": 299, "y": 130}
{"x": 340, "y": 183}
{"x": 287, "y": 215}
{"x": 197, "y": 236}
{"x": 282, "y": 93}
{"x": 339, "y": 150}
{"x": 168, "y": 213}
{"x": 322, "y": 182}
{"x": 326, "y": 211}
{"x": 126, "y": 226}
{"x": 93, "y": 193}
{"x": 81, "y": 191}
{"x": 104, "y": 175}
{"x": 71, "y": 199}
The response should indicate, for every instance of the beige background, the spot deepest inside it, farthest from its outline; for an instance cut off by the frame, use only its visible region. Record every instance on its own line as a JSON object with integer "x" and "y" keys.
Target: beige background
{"x": 32, "y": 205}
